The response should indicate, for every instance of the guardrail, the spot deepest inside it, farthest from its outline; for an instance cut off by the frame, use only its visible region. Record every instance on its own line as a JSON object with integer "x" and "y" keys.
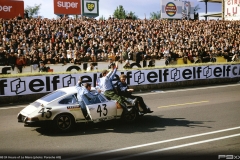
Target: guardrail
{"x": 28, "y": 88}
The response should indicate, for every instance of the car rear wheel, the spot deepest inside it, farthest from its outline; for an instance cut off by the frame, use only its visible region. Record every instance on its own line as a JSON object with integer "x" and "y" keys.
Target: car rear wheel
{"x": 64, "y": 122}
{"x": 130, "y": 116}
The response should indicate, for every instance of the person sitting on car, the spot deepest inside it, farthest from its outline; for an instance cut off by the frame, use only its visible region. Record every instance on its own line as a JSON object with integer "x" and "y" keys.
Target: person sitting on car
{"x": 124, "y": 90}
{"x": 83, "y": 92}
{"x": 107, "y": 86}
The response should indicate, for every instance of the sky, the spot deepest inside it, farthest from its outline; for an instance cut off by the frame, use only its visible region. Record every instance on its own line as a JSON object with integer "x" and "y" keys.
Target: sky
{"x": 141, "y": 8}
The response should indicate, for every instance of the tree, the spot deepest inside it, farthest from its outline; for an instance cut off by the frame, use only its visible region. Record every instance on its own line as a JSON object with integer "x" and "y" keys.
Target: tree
{"x": 132, "y": 15}
{"x": 120, "y": 12}
{"x": 155, "y": 15}
{"x": 33, "y": 10}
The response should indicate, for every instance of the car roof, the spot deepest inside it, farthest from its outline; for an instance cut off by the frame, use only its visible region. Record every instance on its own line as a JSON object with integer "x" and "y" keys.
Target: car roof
{"x": 69, "y": 90}
{"x": 72, "y": 89}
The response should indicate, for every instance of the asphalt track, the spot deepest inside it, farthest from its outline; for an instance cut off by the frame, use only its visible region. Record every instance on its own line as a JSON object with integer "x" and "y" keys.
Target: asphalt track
{"x": 188, "y": 123}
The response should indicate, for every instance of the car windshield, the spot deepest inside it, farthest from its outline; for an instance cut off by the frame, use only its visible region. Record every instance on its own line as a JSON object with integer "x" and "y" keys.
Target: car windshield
{"x": 52, "y": 96}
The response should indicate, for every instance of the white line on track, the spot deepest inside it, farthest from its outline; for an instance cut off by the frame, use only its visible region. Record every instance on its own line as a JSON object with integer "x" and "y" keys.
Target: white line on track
{"x": 179, "y": 146}
{"x": 154, "y": 143}
{"x": 11, "y": 107}
{"x": 190, "y": 89}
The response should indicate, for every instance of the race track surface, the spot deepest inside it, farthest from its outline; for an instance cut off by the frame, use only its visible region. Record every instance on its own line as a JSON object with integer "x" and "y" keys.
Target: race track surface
{"x": 188, "y": 123}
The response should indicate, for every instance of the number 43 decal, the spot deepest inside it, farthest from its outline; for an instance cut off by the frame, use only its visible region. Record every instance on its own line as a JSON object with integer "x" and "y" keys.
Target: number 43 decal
{"x": 48, "y": 112}
{"x": 104, "y": 110}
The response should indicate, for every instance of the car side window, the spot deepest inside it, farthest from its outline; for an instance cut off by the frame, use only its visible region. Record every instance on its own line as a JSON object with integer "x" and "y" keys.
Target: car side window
{"x": 69, "y": 100}
{"x": 89, "y": 101}
{"x": 101, "y": 98}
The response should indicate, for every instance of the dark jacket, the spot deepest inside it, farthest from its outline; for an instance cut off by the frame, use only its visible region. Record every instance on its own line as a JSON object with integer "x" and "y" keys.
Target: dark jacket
{"x": 121, "y": 89}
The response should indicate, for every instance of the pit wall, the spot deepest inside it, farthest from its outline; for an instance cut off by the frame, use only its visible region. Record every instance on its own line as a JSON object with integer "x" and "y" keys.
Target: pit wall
{"x": 29, "y": 88}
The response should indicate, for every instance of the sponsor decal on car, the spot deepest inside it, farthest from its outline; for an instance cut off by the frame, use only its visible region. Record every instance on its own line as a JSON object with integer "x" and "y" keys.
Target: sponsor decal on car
{"x": 71, "y": 108}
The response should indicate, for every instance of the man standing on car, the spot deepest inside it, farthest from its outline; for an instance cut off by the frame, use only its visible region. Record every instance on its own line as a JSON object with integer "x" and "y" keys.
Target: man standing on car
{"x": 83, "y": 91}
{"x": 107, "y": 87}
{"x": 124, "y": 90}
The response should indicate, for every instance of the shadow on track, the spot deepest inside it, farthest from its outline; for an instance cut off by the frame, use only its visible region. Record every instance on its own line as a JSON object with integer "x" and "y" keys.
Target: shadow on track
{"x": 146, "y": 123}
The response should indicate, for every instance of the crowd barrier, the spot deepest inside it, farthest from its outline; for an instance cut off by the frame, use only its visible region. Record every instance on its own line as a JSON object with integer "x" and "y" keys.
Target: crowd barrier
{"x": 70, "y": 67}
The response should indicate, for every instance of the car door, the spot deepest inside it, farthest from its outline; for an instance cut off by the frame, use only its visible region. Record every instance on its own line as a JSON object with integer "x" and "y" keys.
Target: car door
{"x": 71, "y": 104}
{"x": 101, "y": 108}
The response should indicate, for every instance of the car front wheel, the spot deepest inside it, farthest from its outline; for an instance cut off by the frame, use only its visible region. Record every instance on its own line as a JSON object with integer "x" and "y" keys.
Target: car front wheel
{"x": 64, "y": 122}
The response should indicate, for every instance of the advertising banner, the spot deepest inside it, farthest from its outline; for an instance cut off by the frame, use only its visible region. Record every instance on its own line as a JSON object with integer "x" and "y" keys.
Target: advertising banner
{"x": 90, "y": 8}
{"x": 231, "y": 10}
{"x": 49, "y": 83}
{"x": 72, "y": 7}
{"x": 171, "y": 9}
{"x": 11, "y": 9}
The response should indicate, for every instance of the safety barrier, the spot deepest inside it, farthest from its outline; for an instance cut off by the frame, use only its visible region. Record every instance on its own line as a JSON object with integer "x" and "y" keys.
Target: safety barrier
{"x": 19, "y": 89}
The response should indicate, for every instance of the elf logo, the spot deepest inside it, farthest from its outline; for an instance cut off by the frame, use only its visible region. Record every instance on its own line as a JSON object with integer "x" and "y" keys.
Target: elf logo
{"x": 67, "y": 4}
{"x": 139, "y": 77}
{"x": 175, "y": 74}
{"x": 207, "y": 72}
{"x": 18, "y": 86}
{"x": 69, "y": 81}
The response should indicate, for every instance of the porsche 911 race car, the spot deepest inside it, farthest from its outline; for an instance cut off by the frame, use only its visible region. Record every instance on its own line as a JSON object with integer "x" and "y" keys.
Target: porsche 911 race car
{"x": 62, "y": 110}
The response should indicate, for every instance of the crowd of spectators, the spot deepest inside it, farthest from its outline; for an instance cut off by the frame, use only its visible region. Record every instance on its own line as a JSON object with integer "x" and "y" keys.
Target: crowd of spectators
{"x": 25, "y": 42}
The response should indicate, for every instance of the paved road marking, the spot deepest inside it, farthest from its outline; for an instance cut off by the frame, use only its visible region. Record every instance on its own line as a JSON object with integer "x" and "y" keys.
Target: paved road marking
{"x": 183, "y": 104}
{"x": 154, "y": 143}
{"x": 11, "y": 107}
{"x": 179, "y": 146}
{"x": 190, "y": 89}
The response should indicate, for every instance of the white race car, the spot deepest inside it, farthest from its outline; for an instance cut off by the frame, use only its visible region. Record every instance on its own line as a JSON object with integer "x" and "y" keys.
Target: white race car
{"x": 61, "y": 108}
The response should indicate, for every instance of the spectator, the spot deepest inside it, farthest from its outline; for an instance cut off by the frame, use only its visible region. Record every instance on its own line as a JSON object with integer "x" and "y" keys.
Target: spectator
{"x": 125, "y": 37}
{"x": 64, "y": 60}
{"x": 91, "y": 67}
{"x": 2, "y": 56}
{"x": 20, "y": 62}
{"x": 42, "y": 67}
{"x": 127, "y": 65}
{"x": 77, "y": 61}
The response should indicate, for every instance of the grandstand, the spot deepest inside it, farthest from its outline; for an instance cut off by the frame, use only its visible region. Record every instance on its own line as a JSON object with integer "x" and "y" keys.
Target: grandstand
{"x": 77, "y": 41}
